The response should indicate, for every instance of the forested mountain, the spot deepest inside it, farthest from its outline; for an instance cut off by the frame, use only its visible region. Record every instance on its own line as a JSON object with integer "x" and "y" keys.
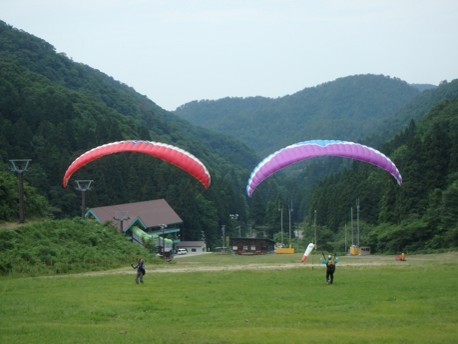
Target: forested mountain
{"x": 349, "y": 108}
{"x": 53, "y": 109}
{"x": 337, "y": 193}
{"x": 423, "y": 213}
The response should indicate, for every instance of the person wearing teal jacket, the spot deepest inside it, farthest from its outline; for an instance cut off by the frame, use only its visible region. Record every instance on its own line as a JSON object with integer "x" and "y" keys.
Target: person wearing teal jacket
{"x": 330, "y": 267}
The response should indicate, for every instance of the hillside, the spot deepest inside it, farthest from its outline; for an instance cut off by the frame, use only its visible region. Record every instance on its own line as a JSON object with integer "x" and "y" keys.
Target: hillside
{"x": 53, "y": 109}
{"x": 423, "y": 212}
{"x": 27, "y": 53}
{"x": 349, "y": 108}
{"x": 65, "y": 246}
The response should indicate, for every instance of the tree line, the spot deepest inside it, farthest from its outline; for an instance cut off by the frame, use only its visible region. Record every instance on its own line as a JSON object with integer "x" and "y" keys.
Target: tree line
{"x": 422, "y": 214}
{"x": 53, "y": 109}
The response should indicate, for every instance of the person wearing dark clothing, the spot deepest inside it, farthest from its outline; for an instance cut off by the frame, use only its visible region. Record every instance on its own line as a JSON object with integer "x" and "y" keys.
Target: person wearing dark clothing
{"x": 330, "y": 268}
{"x": 140, "y": 266}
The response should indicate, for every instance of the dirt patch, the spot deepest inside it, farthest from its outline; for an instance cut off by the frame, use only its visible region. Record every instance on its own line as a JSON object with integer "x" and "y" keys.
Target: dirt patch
{"x": 183, "y": 266}
{"x": 11, "y": 225}
{"x": 241, "y": 267}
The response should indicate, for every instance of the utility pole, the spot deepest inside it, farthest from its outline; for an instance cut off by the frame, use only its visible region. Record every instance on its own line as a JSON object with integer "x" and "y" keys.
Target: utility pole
{"x": 345, "y": 239}
{"x": 163, "y": 227}
{"x": 351, "y": 225}
{"x": 290, "y": 210}
{"x": 314, "y": 226}
{"x": 223, "y": 230}
{"x": 357, "y": 221}
{"x": 20, "y": 166}
{"x": 280, "y": 209}
{"x": 234, "y": 218}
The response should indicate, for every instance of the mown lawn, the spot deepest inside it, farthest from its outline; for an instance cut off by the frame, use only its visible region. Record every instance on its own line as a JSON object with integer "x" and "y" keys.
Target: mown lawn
{"x": 409, "y": 302}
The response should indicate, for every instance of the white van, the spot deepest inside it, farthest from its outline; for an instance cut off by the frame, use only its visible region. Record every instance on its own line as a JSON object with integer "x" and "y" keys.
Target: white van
{"x": 182, "y": 251}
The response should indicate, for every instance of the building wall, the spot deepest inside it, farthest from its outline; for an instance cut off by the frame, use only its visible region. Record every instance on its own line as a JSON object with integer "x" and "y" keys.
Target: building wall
{"x": 193, "y": 246}
{"x": 252, "y": 246}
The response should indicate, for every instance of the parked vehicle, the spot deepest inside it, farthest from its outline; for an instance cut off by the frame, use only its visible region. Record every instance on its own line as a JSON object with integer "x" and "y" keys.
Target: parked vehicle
{"x": 182, "y": 251}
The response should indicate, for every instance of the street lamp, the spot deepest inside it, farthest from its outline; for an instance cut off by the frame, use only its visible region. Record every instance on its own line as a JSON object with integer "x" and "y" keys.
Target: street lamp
{"x": 20, "y": 166}
{"x": 223, "y": 230}
{"x": 234, "y": 217}
{"x": 163, "y": 227}
{"x": 290, "y": 210}
{"x": 357, "y": 221}
{"x": 280, "y": 209}
{"x": 351, "y": 226}
{"x": 83, "y": 186}
{"x": 345, "y": 239}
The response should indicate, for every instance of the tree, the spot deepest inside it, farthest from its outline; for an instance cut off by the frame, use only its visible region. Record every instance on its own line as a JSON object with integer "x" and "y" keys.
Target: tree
{"x": 35, "y": 204}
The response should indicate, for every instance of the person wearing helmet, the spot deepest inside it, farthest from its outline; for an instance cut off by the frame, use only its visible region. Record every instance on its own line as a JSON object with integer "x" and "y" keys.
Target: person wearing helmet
{"x": 330, "y": 267}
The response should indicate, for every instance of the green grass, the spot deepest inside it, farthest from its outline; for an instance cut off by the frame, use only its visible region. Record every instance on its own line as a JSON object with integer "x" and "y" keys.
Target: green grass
{"x": 408, "y": 302}
{"x": 64, "y": 246}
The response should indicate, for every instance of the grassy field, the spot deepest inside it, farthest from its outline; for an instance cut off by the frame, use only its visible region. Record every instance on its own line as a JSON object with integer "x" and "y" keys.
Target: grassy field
{"x": 261, "y": 299}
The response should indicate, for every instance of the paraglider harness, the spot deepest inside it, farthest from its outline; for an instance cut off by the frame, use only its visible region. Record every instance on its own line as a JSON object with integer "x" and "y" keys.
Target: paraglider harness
{"x": 330, "y": 263}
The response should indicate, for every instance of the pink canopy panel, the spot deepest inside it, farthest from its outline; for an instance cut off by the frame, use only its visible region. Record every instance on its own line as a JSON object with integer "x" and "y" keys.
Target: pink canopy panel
{"x": 310, "y": 149}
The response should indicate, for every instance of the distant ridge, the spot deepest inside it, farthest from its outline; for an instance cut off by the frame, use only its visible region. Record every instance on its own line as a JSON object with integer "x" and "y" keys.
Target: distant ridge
{"x": 423, "y": 87}
{"x": 349, "y": 108}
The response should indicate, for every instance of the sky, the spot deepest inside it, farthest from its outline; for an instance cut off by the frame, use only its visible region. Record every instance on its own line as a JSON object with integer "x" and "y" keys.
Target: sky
{"x": 177, "y": 51}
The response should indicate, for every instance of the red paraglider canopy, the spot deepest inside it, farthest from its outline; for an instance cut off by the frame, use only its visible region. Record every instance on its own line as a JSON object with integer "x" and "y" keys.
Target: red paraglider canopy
{"x": 174, "y": 155}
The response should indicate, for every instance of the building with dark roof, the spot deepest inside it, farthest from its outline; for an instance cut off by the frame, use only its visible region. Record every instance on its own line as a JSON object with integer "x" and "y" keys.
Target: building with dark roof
{"x": 148, "y": 215}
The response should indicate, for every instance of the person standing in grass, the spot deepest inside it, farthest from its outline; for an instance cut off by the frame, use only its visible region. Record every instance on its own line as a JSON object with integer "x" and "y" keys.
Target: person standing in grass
{"x": 140, "y": 266}
{"x": 330, "y": 267}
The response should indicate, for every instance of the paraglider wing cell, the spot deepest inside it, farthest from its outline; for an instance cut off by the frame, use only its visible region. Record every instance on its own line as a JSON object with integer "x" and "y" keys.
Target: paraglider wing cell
{"x": 169, "y": 153}
{"x": 310, "y": 149}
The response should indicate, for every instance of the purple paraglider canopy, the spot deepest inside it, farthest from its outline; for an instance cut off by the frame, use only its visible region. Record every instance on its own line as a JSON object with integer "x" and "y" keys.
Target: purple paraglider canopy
{"x": 314, "y": 148}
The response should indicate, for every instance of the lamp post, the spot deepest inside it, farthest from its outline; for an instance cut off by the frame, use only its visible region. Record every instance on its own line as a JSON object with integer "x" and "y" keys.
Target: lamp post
{"x": 83, "y": 186}
{"x": 234, "y": 218}
{"x": 345, "y": 239}
{"x": 223, "y": 232}
{"x": 280, "y": 209}
{"x": 314, "y": 225}
{"x": 20, "y": 166}
{"x": 290, "y": 210}
{"x": 357, "y": 221}
{"x": 163, "y": 227}
{"x": 351, "y": 226}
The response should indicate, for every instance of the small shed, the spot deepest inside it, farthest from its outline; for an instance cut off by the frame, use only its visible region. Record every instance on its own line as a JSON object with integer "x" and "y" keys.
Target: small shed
{"x": 193, "y": 246}
{"x": 365, "y": 251}
{"x": 252, "y": 246}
